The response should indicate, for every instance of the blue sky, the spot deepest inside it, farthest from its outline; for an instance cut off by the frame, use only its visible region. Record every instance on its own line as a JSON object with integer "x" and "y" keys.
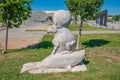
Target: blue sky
{"x": 113, "y": 6}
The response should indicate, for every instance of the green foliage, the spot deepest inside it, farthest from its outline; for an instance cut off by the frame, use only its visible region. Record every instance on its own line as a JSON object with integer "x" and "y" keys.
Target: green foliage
{"x": 1, "y": 19}
{"x": 116, "y": 18}
{"x": 75, "y": 27}
{"x": 15, "y": 11}
{"x": 46, "y": 42}
{"x": 72, "y": 8}
{"x": 110, "y": 15}
{"x": 84, "y": 8}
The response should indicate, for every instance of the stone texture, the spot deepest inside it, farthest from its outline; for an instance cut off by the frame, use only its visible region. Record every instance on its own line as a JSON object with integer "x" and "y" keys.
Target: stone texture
{"x": 77, "y": 68}
{"x": 63, "y": 60}
{"x": 63, "y": 38}
{"x": 64, "y": 57}
{"x": 38, "y": 17}
{"x": 53, "y": 67}
{"x": 62, "y": 18}
{"x": 102, "y": 18}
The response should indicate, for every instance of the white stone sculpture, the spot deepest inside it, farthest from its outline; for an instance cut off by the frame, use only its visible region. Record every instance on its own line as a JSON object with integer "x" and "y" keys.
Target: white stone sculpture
{"x": 64, "y": 57}
{"x": 63, "y": 40}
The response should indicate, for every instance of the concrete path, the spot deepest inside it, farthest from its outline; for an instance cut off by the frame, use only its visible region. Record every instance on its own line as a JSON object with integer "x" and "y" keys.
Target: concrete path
{"x": 109, "y": 24}
{"x": 98, "y": 32}
{"x": 19, "y": 38}
{"x": 114, "y": 25}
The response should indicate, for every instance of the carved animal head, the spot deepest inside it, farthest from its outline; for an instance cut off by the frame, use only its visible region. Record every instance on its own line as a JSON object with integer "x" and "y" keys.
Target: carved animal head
{"x": 52, "y": 30}
{"x": 62, "y": 18}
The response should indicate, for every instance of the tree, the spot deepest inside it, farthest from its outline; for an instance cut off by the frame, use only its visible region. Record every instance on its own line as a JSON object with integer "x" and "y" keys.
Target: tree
{"x": 116, "y": 18}
{"x": 71, "y": 8}
{"x": 86, "y": 9}
{"x": 13, "y": 12}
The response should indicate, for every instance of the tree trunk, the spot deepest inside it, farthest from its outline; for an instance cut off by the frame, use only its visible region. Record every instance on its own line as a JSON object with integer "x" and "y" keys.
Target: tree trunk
{"x": 79, "y": 35}
{"x": 75, "y": 19}
{"x": 6, "y": 37}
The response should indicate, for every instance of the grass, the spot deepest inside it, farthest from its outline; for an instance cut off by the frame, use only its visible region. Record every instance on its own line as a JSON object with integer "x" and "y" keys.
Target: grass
{"x": 34, "y": 30}
{"x": 102, "y": 60}
{"x": 75, "y": 27}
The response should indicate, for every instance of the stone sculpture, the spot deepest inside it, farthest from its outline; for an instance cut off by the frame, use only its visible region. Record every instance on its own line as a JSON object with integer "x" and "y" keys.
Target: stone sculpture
{"x": 64, "y": 57}
{"x": 102, "y": 18}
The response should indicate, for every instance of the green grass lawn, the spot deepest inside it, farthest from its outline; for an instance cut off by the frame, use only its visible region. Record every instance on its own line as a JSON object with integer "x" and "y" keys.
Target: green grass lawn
{"x": 75, "y": 27}
{"x": 34, "y": 30}
{"x": 102, "y": 60}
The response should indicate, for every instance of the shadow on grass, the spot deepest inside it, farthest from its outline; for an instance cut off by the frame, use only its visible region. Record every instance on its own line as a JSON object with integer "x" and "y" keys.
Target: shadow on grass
{"x": 95, "y": 43}
{"x": 86, "y": 62}
{"x": 43, "y": 44}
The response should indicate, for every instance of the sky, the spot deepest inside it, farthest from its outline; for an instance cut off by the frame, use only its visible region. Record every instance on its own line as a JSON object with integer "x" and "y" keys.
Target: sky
{"x": 113, "y": 6}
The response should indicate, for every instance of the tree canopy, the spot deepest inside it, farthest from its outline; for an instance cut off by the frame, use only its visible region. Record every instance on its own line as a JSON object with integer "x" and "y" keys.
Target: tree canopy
{"x": 84, "y": 8}
{"x": 116, "y": 18}
{"x": 14, "y": 11}
{"x": 71, "y": 7}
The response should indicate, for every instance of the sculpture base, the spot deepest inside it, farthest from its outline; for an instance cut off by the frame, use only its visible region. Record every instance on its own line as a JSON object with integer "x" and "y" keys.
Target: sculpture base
{"x": 33, "y": 68}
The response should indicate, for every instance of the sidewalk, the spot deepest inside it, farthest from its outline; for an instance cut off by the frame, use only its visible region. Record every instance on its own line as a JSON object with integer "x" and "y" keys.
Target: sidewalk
{"x": 19, "y": 38}
{"x": 97, "y": 32}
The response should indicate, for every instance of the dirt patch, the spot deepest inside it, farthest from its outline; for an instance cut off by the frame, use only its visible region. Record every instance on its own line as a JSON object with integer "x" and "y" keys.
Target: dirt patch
{"x": 43, "y": 28}
{"x": 111, "y": 56}
{"x": 17, "y": 43}
{"x": 19, "y": 38}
